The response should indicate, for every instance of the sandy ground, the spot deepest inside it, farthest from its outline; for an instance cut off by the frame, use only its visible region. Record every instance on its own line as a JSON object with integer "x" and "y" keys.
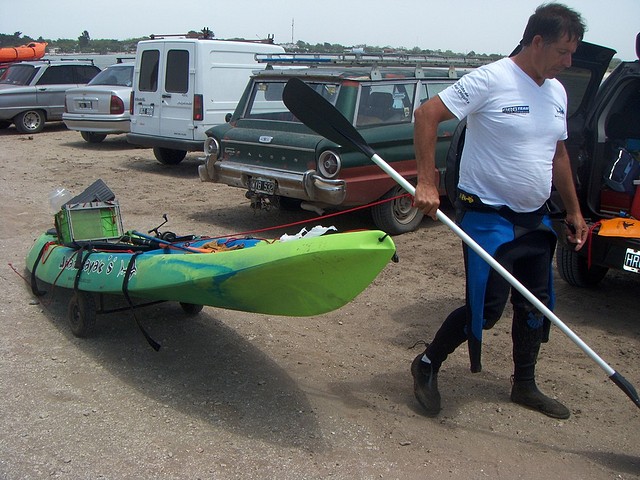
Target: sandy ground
{"x": 237, "y": 395}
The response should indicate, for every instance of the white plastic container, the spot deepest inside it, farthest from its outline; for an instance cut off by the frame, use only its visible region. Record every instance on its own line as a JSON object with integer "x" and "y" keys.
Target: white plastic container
{"x": 58, "y": 197}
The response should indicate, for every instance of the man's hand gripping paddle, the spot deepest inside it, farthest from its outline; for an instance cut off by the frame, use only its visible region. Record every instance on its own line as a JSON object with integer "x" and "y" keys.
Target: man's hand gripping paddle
{"x": 323, "y": 118}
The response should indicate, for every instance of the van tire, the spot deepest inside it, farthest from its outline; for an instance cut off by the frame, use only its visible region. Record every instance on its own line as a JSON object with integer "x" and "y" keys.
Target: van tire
{"x": 167, "y": 156}
{"x": 574, "y": 269}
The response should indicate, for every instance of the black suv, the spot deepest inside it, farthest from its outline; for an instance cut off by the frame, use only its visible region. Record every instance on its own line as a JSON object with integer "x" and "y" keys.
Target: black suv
{"x": 603, "y": 123}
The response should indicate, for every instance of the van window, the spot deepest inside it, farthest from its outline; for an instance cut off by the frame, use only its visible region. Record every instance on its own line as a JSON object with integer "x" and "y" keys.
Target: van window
{"x": 177, "y": 77}
{"x": 148, "y": 81}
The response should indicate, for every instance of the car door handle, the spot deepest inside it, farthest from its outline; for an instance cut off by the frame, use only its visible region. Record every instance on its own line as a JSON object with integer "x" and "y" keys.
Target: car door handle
{"x": 166, "y": 95}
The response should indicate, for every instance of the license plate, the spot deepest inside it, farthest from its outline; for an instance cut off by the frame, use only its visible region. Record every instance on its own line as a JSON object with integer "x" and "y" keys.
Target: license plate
{"x": 146, "y": 110}
{"x": 262, "y": 185}
{"x": 84, "y": 105}
{"x": 632, "y": 260}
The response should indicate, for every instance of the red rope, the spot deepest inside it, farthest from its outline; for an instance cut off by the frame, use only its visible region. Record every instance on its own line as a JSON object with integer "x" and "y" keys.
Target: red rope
{"x": 302, "y": 222}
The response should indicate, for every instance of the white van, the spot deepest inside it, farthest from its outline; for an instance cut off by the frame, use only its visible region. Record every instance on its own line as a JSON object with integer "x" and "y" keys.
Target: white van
{"x": 184, "y": 86}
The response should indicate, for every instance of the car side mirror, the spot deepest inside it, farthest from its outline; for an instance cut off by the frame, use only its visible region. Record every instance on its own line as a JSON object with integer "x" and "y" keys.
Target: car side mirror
{"x": 227, "y": 117}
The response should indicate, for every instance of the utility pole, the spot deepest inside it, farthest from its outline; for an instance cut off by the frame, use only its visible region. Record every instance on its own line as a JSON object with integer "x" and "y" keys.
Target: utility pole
{"x": 292, "y": 22}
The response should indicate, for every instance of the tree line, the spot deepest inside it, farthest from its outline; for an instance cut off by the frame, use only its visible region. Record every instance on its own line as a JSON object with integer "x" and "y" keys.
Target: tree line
{"x": 85, "y": 44}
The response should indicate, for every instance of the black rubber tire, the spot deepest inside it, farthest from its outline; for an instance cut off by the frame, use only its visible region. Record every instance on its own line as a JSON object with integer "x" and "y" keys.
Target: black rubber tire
{"x": 574, "y": 270}
{"x": 191, "y": 308}
{"x": 398, "y": 216}
{"x": 30, "y": 121}
{"x": 82, "y": 314}
{"x": 93, "y": 137}
{"x": 168, "y": 156}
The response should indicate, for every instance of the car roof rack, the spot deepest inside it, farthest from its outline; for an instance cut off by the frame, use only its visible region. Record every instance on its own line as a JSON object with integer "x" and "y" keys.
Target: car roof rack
{"x": 62, "y": 59}
{"x": 374, "y": 60}
{"x": 206, "y": 34}
{"x": 367, "y": 59}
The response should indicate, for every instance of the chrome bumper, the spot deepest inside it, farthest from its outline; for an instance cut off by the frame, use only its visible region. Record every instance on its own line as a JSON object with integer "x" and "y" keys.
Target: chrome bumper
{"x": 307, "y": 186}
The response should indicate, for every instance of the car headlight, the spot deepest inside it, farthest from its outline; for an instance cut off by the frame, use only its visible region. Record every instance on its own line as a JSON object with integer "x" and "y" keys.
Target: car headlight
{"x": 329, "y": 164}
{"x": 211, "y": 147}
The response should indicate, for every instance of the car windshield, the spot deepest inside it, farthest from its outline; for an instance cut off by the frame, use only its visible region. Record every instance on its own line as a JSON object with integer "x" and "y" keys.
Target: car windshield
{"x": 18, "y": 75}
{"x": 118, "y": 75}
{"x": 266, "y": 100}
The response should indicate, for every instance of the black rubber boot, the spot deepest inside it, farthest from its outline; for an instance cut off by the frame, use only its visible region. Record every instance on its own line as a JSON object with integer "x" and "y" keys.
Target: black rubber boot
{"x": 425, "y": 386}
{"x": 526, "y": 393}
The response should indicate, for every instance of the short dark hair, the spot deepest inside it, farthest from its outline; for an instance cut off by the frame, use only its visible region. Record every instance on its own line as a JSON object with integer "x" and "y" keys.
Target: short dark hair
{"x": 552, "y": 21}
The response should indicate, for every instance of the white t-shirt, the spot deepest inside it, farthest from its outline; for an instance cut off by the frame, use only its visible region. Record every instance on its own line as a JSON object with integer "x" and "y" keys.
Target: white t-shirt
{"x": 513, "y": 127}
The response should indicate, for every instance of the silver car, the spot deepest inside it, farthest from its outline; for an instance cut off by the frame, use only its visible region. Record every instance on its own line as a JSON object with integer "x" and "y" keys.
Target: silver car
{"x": 102, "y": 106}
{"x": 32, "y": 93}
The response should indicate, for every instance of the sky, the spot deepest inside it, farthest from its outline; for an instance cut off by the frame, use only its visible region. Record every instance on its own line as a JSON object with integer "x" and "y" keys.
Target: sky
{"x": 482, "y": 26}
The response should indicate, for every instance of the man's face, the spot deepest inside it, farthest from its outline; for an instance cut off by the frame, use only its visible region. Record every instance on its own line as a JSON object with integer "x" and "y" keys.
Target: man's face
{"x": 555, "y": 57}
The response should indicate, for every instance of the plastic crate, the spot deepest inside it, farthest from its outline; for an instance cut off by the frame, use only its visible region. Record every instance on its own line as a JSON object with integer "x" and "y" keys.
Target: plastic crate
{"x": 89, "y": 221}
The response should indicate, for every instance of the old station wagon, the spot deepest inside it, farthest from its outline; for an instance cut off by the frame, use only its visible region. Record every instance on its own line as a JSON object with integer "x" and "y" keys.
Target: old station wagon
{"x": 266, "y": 151}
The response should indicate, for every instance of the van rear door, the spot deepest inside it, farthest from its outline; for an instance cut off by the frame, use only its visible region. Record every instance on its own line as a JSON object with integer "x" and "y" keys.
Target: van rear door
{"x": 177, "y": 92}
{"x": 163, "y": 102}
{"x": 147, "y": 95}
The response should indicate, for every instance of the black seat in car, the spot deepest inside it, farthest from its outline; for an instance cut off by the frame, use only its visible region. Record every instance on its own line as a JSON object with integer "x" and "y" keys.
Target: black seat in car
{"x": 380, "y": 105}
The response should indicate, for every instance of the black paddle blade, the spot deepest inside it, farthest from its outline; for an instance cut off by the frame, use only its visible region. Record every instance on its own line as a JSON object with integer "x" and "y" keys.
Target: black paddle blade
{"x": 626, "y": 387}
{"x": 320, "y": 116}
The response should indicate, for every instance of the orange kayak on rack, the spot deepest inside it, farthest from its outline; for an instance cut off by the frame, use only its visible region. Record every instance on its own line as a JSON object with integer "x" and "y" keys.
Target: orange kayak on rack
{"x": 30, "y": 51}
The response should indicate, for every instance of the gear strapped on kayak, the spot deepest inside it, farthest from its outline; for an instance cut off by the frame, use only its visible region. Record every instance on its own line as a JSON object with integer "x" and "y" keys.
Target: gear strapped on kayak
{"x": 304, "y": 274}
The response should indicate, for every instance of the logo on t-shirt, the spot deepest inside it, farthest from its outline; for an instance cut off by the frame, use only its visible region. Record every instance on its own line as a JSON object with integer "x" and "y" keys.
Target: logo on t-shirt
{"x": 462, "y": 93}
{"x": 559, "y": 112}
{"x": 518, "y": 109}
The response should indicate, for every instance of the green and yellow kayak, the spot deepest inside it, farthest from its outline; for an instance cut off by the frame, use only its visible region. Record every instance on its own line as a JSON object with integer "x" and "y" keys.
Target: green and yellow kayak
{"x": 302, "y": 277}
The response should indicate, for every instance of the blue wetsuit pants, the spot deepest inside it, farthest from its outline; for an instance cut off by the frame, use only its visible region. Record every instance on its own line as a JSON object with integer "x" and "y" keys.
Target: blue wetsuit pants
{"x": 527, "y": 256}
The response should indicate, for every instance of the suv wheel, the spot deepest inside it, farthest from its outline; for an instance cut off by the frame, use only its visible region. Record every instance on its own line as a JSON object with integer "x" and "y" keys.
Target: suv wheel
{"x": 167, "y": 156}
{"x": 93, "y": 137}
{"x": 31, "y": 121}
{"x": 574, "y": 270}
{"x": 396, "y": 216}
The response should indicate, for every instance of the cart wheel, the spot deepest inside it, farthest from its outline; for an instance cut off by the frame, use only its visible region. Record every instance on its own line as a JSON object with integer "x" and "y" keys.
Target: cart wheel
{"x": 82, "y": 314}
{"x": 191, "y": 308}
